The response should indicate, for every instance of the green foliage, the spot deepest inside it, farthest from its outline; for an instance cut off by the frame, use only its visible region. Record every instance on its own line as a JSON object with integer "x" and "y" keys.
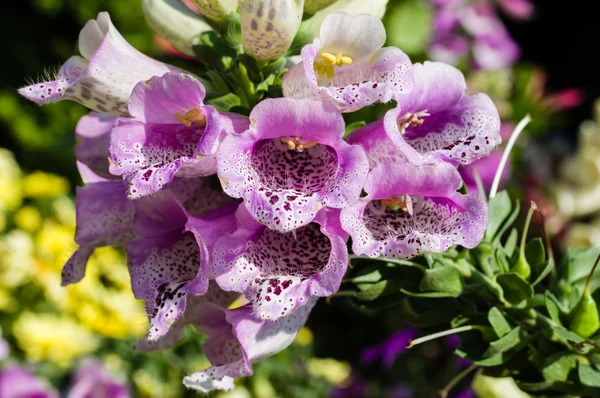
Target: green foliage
{"x": 541, "y": 332}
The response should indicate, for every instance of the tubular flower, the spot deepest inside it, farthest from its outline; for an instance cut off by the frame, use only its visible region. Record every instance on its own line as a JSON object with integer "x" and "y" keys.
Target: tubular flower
{"x": 414, "y": 209}
{"x": 236, "y": 339}
{"x": 269, "y": 26}
{"x": 347, "y": 66}
{"x": 170, "y": 256}
{"x": 103, "y": 76}
{"x": 171, "y": 133}
{"x": 217, "y": 10}
{"x": 280, "y": 272}
{"x": 92, "y": 136}
{"x": 291, "y": 163}
{"x": 433, "y": 123}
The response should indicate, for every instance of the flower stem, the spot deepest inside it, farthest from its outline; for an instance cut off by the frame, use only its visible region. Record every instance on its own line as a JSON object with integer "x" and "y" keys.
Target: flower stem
{"x": 479, "y": 183}
{"x": 444, "y": 391}
{"x": 434, "y": 336}
{"x": 511, "y": 142}
{"x": 589, "y": 278}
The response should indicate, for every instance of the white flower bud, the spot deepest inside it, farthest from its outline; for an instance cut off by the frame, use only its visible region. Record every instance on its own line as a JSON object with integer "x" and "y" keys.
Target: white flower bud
{"x": 269, "y": 26}
{"x": 217, "y": 10}
{"x": 352, "y": 7}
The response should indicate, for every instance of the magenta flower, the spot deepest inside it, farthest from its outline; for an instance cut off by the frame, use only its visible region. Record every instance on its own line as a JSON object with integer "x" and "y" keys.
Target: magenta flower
{"x": 235, "y": 339}
{"x": 103, "y": 76}
{"x": 171, "y": 133}
{"x": 92, "y": 136}
{"x": 18, "y": 382}
{"x": 91, "y": 380}
{"x": 291, "y": 163}
{"x": 390, "y": 348}
{"x": 433, "y": 123}
{"x": 414, "y": 209}
{"x": 280, "y": 272}
{"x": 486, "y": 169}
{"x": 347, "y": 65}
{"x": 169, "y": 258}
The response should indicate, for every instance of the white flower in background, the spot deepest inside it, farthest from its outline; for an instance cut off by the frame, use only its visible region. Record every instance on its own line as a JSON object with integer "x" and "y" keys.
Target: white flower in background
{"x": 269, "y": 26}
{"x": 375, "y": 8}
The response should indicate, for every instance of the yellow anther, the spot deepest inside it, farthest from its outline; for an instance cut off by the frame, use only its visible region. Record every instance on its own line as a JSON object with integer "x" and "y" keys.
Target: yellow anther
{"x": 343, "y": 60}
{"x": 329, "y": 61}
{"x": 411, "y": 120}
{"x": 328, "y": 58}
{"x": 404, "y": 203}
{"x": 194, "y": 115}
{"x": 296, "y": 144}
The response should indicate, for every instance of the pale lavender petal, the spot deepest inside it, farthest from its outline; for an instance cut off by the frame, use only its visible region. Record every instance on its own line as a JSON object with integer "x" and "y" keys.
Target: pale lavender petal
{"x": 495, "y": 51}
{"x": 280, "y": 272}
{"x": 522, "y": 9}
{"x": 103, "y": 78}
{"x": 282, "y": 187}
{"x": 104, "y": 218}
{"x": 437, "y": 218}
{"x": 235, "y": 339}
{"x": 18, "y": 382}
{"x": 93, "y": 134}
{"x": 92, "y": 380}
{"x": 374, "y": 140}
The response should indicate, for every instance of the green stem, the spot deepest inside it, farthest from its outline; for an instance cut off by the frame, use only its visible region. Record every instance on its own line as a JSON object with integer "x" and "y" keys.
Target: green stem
{"x": 434, "y": 336}
{"x": 390, "y": 260}
{"x": 444, "y": 391}
{"x": 589, "y": 278}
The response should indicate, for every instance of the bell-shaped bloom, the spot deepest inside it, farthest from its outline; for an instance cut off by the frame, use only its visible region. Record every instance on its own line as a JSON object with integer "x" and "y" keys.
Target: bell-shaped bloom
{"x": 176, "y": 23}
{"x": 92, "y": 380}
{"x": 279, "y": 272}
{"x": 313, "y": 25}
{"x": 438, "y": 120}
{"x": 104, "y": 218}
{"x": 18, "y": 382}
{"x": 269, "y": 26}
{"x": 291, "y": 163}
{"x": 92, "y": 136}
{"x": 169, "y": 258}
{"x": 236, "y": 339}
{"x": 414, "y": 209}
{"x": 347, "y": 65}
{"x": 171, "y": 133}
{"x": 217, "y": 10}
{"x": 312, "y": 6}
{"x": 103, "y": 77}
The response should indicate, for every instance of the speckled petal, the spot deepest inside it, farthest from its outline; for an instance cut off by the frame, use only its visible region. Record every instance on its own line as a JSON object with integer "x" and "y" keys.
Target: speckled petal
{"x": 379, "y": 78}
{"x": 282, "y": 188}
{"x": 440, "y": 217}
{"x": 235, "y": 339}
{"x": 92, "y": 135}
{"x": 103, "y": 78}
{"x": 374, "y": 140}
{"x": 279, "y": 272}
{"x": 104, "y": 218}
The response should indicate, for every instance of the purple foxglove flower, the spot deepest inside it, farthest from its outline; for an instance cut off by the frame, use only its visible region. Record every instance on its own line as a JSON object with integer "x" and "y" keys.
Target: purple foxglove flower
{"x": 486, "y": 168}
{"x": 17, "y": 382}
{"x": 279, "y": 272}
{"x": 434, "y": 123}
{"x": 103, "y": 76}
{"x": 171, "y": 133}
{"x": 347, "y": 65}
{"x": 92, "y": 135}
{"x": 169, "y": 258}
{"x": 104, "y": 218}
{"x": 389, "y": 349}
{"x": 522, "y": 9}
{"x": 236, "y": 339}
{"x": 291, "y": 163}
{"x": 91, "y": 380}
{"x": 495, "y": 51}
{"x": 414, "y": 209}
{"x": 269, "y": 26}
{"x": 449, "y": 48}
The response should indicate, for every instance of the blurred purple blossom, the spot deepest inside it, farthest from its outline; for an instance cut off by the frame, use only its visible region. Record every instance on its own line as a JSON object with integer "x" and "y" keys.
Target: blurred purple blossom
{"x": 389, "y": 349}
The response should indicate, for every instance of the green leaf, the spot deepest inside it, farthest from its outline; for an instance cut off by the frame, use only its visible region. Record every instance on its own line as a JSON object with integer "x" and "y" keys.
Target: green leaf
{"x": 554, "y": 307}
{"x": 501, "y": 261}
{"x": 558, "y": 366}
{"x": 535, "y": 252}
{"x": 515, "y": 288}
{"x": 511, "y": 340}
{"x": 444, "y": 279}
{"x": 548, "y": 267}
{"x": 427, "y": 295}
{"x": 511, "y": 242}
{"x": 589, "y": 375}
{"x": 232, "y": 30}
{"x": 499, "y": 208}
{"x": 225, "y": 103}
{"x": 353, "y": 127}
{"x": 498, "y": 322}
{"x": 273, "y": 67}
{"x": 218, "y": 82}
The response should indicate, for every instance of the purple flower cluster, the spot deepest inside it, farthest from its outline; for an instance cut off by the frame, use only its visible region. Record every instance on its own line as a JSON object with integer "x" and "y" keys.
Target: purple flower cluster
{"x": 463, "y": 26}
{"x": 293, "y": 189}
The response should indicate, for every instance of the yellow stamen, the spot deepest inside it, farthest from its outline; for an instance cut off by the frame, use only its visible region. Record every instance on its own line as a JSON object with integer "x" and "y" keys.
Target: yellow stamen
{"x": 410, "y": 120}
{"x": 296, "y": 144}
{"x": 194, "y": 115}
{"x": 398, "y": 203}
{"x": 328, "y": 61}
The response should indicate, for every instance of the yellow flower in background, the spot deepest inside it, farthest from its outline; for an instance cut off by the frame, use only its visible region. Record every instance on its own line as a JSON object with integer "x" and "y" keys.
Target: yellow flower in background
{"x": 336, "y": 372}
{"x": 10, "y": 182}
{"x": 304, "y": 337}
{"x": 42, "y": 185}
{"x": 53, "y": 338}
{"x": 28, "y": 219}
{"x": 18, "y": 263}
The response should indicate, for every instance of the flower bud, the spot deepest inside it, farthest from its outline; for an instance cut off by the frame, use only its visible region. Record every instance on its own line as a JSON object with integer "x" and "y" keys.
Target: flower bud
{"x": 584, "y": 318}
{"x": 217, "y": 10}
{"x": 269, "y": 26}
{"x": 352, "y": 7}
{"x": 175, "y": 23}
{"x": 312, "y": 6}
